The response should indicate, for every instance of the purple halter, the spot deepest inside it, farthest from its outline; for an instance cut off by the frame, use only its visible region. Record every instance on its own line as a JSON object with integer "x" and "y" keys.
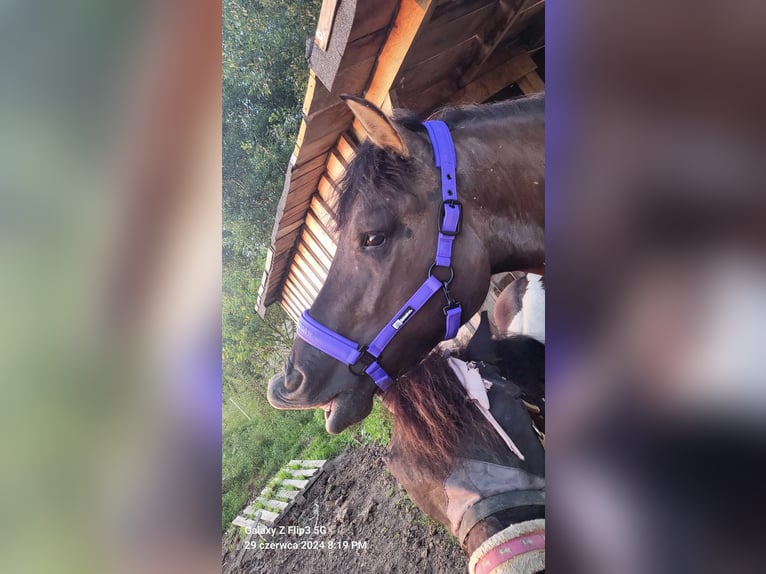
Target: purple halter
{"x": 363, "y": 359}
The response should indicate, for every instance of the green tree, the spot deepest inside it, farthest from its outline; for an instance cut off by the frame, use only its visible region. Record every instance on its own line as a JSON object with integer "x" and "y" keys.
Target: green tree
{"x": 264, "y": 81}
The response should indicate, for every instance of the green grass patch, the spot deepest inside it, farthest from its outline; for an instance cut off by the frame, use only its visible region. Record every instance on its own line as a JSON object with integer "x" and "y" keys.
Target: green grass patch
{"x": 255, "y": 450}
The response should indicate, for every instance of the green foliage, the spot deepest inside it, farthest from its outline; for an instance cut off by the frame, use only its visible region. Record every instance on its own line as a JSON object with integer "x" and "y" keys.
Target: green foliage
{"x": 264, "y": 81}
{"x": 253, "y": 348}
{"x": 255, "y": 450}
{"x": 377, "y": 427}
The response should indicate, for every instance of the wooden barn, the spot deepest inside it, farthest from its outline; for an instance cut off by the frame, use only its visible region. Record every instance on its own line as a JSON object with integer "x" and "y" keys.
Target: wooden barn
{"x": 414, "y": 54}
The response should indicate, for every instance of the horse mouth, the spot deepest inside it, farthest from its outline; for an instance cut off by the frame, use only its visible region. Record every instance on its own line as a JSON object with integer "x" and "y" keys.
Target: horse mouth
{"x": 327, "y": 414}
{"x": 332, "y": 424}
{"x": 280, "y": 399}
{"x": 335, "y": 420}
{"x": 341, "y": 409}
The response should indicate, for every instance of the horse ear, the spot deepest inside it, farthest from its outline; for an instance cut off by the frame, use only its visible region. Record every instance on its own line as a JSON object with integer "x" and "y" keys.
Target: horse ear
{"x": 379, "y": 128}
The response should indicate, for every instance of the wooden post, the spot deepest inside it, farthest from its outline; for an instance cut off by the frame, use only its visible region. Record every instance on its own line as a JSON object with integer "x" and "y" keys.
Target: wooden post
{"x": 406, "y": 27}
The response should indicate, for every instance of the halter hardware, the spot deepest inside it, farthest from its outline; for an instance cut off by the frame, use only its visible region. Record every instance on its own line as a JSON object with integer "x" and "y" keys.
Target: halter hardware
{"x": 447, "y": 220}
{"x": 446, "y": 282}
{"x": 451, "y": 303}
{"x": 363, "y": 359}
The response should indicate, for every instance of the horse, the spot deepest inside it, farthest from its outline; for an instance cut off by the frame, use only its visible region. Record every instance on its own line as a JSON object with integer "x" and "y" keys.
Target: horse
{"x": 453, "y": 464}
{"x": 467, "y": 185}
{"x": 520, "y": 308}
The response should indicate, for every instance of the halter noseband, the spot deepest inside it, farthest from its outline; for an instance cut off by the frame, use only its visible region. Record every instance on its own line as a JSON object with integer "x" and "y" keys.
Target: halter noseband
{"x": 363, "y": 359}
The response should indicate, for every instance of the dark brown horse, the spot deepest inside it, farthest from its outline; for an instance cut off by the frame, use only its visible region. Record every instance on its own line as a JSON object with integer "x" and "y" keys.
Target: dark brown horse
{"x": 387, "y": 216}
{"x": 453, "y": 464}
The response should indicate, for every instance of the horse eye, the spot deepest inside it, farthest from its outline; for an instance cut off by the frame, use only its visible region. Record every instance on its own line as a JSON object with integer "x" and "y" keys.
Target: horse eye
{"x": 374, "y": 239}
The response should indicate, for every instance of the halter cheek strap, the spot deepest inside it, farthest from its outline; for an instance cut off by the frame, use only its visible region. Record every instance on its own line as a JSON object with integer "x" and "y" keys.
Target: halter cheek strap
{"x": 363, "y": 359}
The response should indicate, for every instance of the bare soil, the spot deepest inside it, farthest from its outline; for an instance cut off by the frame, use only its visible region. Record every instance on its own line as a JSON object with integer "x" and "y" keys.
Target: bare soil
{"x": 355, "y": 518}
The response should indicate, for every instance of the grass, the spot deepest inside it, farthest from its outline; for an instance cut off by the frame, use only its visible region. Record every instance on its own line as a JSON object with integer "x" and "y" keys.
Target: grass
{"x": 255, "y": 450}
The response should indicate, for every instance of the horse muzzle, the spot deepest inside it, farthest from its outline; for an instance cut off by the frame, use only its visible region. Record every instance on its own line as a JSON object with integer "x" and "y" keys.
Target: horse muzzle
{"x": 284, "y": 390}
{"x": 292, "y": 389}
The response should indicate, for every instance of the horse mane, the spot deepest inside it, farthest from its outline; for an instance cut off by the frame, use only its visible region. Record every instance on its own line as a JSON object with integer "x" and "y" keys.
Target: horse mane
{"x": 379, "y": 175}
{"x": 522, "y": 107}
{"x": 433, "y": 415}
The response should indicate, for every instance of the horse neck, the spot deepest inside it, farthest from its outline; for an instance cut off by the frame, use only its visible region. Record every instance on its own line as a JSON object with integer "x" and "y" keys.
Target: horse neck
{"x": 501, "y": 183}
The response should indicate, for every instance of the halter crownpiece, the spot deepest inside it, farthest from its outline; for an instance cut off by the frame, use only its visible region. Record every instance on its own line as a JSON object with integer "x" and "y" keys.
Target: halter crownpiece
{"x": 363, "y": 359}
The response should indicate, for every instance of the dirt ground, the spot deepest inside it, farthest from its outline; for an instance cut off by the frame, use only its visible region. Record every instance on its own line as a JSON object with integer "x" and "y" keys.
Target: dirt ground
{"x": 364, "y": 521}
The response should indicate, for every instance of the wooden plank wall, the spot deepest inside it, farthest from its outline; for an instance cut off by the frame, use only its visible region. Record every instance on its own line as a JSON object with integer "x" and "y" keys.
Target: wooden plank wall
{"x": 468, "y": 53}
{"x": 322, "y": 151}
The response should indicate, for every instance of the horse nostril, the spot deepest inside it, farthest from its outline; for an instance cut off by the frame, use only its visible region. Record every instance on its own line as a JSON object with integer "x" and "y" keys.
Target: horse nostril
{"x": 293, "y": 379}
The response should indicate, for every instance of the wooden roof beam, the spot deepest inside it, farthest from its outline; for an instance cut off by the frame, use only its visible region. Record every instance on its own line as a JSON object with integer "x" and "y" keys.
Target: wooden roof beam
{"x": 407, "y": 26}
{"x": 295, "y": 285}
{"x": 324, "y": 25}
{"x": 531, "y": 83}
{"x": 328, "y": 223}
{"x": 510, "y": 12}
{"x": 310, "y": 288}
{"x": 495, "y": 80}
{"x": 320, "y": 232}
{"x": 312, "y": 266}
{"x": 326, "y": 215}
{"x": 321, "y": 252}
{"x": 346, "y": 148}
{"x": 290, "y": 307}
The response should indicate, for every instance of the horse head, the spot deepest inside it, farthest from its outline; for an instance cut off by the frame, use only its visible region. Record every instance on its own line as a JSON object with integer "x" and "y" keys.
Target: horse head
{"x": 390, "y": 212}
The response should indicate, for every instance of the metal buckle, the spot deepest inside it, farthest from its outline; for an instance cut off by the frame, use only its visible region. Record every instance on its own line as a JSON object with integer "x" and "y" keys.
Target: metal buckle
{"x": 365, "y": 360}
{"x": 443, "y": 211}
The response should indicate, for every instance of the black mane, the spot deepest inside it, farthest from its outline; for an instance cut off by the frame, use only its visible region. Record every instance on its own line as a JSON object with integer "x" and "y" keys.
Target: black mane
{"x": 522, "y": 107}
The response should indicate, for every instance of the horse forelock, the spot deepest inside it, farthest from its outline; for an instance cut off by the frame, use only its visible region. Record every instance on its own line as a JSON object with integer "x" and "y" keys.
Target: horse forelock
{"x": 376, "y": 177}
